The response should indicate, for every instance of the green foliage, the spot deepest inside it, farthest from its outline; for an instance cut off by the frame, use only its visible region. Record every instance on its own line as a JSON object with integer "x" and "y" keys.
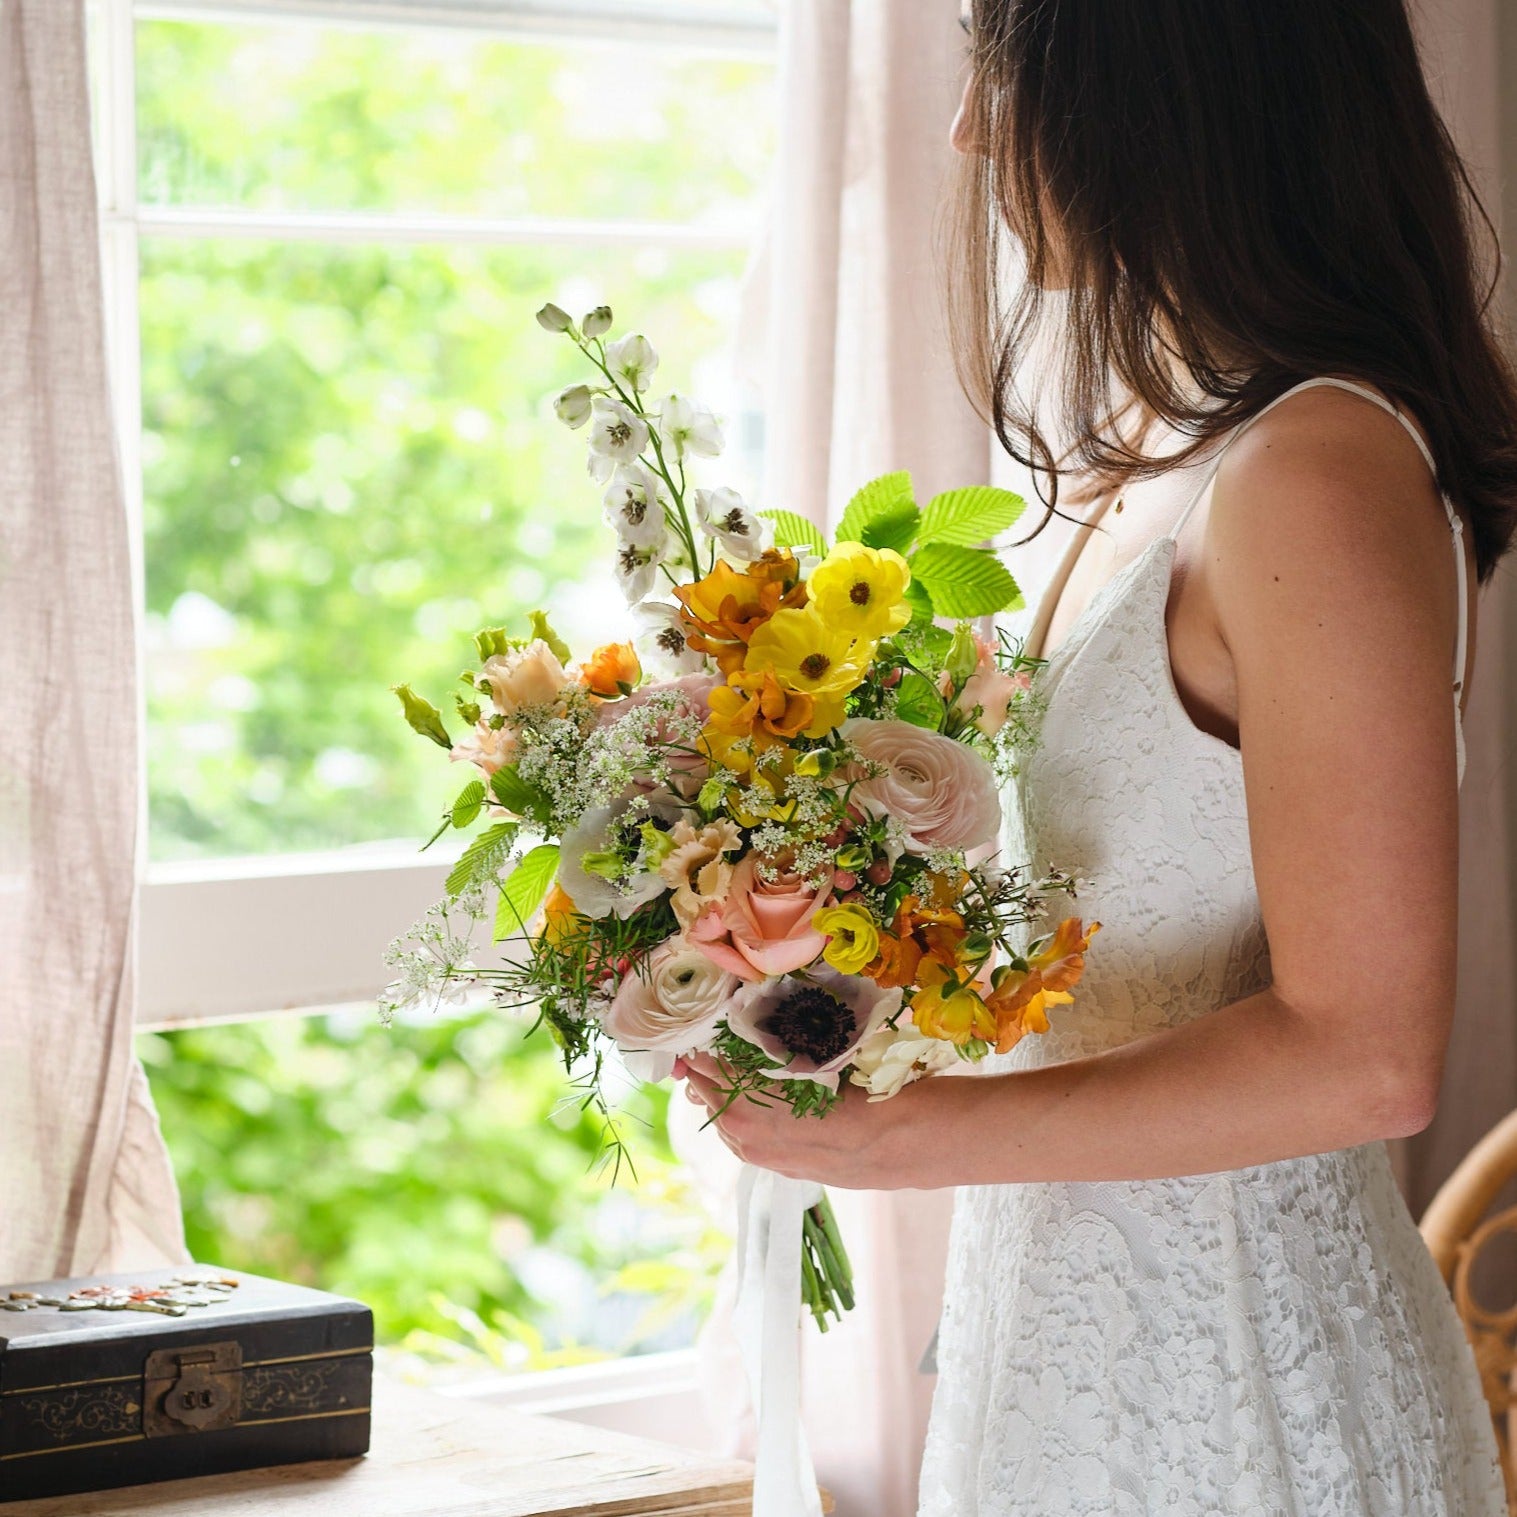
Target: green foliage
{"x": 441, "y": 1172}
{"x": 919, "y": 703}
{"x": 483, "y": 859}
{"x": 525, "y": 889}
{"x": 880, "y": 500}
{"x": 965, "y": 582}
{"x": 470, "y": 800}
{"x": 969, "y": 516}
{"x": 791, "y": 530}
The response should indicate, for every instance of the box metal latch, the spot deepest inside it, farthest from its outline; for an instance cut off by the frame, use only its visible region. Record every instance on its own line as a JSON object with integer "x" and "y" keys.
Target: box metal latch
{"x": 192, "y": 1390}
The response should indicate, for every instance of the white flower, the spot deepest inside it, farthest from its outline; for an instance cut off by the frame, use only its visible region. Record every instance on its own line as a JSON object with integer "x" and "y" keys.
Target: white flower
{"x": 593, "y": 869}
{"x": 636, "y": 569}
{"x": 572, "y": 406}
{"x": 632, "y": 359}
{"x": 633, "y": 507}
{"x": 723, "y": 515}
{"x": 689, "y": 428}
{"x": 617, "y": 435}
{"x": 660, "y": 639}
{"x": 891, "y": 1057}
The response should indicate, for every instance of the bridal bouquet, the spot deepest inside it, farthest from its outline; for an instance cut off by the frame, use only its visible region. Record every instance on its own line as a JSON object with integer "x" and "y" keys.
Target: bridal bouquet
{"x": 758, "y": 828}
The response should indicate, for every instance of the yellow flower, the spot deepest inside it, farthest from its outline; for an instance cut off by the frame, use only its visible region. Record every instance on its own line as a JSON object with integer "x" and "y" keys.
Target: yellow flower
{"x": 1020, "y": 998}
{"x": 810, "y": 656}
{"x": 853, "y": 938}
{"x": 861, "y": 590}
{"x": 943, "y": 1008}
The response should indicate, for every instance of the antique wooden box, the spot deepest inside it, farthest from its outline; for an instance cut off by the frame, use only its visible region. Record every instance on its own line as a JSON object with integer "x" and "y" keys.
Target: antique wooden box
{"x": 128, "y": 1378}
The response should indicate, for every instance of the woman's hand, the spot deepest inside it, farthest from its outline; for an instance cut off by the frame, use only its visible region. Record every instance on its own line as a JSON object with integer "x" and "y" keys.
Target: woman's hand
{"x": 859, "y": 1144}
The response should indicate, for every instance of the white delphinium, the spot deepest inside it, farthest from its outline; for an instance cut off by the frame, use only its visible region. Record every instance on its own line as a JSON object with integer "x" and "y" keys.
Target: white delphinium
{"x": 572, "y": 406}
{"x": 687, "y": 427}
{"x": 725, "y": 517}
{"x": 636, "y": 569}
{"x": 617, "y": 436}
{"x": 632, "y": 360}
{"x": 660, "y": 640}
{"x": 632, "y": 506}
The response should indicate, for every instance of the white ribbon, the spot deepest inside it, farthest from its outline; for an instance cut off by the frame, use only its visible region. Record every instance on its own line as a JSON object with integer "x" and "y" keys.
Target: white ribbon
{"x": 767, "y": 1316}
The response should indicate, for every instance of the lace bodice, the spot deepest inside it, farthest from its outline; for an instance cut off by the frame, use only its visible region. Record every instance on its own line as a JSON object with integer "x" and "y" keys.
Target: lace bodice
{"x": 1266, "y": 1341}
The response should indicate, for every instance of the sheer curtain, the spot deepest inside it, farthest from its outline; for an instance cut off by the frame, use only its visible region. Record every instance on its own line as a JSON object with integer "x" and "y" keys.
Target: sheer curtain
{"x": 85, "y": 1183}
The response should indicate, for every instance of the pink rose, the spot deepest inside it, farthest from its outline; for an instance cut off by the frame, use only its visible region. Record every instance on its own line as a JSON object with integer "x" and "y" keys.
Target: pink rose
{"x": 671, "y": 1001}
{"x": 811, "y": 1025}
{"x": 531, "y": 676}
{"x": 763, "y": 927}
{"x": 941, "y": 791}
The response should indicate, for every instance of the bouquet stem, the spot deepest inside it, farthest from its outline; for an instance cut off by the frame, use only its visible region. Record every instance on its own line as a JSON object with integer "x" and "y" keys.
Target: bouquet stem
{"x": 826, "y": 1274}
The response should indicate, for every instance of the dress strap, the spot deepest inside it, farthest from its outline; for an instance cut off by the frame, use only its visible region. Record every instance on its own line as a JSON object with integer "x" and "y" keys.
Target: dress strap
{"x": 1455, "y": 520}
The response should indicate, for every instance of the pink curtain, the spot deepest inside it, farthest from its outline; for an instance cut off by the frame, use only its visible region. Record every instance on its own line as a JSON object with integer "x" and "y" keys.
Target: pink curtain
{"x": 85, "y": 1183}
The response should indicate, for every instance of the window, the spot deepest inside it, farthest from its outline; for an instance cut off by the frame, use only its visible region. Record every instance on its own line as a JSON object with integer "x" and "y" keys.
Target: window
{"x": 327, "y": 225}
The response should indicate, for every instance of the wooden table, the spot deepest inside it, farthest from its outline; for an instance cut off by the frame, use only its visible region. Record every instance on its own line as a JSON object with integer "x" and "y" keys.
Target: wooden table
{"x": 440, "y": 1456}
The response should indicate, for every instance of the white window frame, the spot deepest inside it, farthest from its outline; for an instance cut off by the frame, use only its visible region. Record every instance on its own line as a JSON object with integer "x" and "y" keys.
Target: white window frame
{"x": 232, "y": 938}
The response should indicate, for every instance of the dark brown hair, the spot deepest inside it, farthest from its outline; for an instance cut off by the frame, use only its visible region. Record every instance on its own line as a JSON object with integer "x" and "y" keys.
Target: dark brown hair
{"x": 1238, "y": 195}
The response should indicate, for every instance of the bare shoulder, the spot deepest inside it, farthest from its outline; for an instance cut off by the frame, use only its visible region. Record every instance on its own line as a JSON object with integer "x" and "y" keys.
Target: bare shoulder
{"x": 1326, "y": 502}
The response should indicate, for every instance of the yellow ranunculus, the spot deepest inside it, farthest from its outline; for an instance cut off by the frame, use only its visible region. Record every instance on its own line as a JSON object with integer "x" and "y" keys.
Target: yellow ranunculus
{"x": 810, "y": 656}
{"x": 853, "y": 937}
{"x": 861, "y": 590}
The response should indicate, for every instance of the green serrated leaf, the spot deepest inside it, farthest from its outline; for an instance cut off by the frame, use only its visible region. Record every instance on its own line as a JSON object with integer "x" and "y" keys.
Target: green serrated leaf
{"x": 792, "y": 530}
{"x": 422, "y": 716}
{"x": 523, "y": 892}
{"x": 969, "y": 516}
{"x": 877, "y": 499}
{"x": 480, "y": 862}
{"x": 894, "y": 528}
{"x": 965, "y": 581}
{"x": 919, "y": 703}
{"x": 513, "y": 792}
{"x": 468, "y": 804}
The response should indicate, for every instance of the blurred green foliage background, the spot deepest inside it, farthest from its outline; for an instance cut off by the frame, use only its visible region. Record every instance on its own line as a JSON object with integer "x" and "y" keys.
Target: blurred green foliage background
{"x": 350, "y": 463}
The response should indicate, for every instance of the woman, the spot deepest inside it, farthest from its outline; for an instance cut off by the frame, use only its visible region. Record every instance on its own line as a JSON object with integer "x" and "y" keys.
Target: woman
{"x": 1182, "y": 1278}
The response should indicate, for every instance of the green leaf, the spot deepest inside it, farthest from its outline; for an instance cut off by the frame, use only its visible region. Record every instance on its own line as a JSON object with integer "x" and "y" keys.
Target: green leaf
{"x": 893, "y": 528}
{"x": 480, "y": 862}
{"x": 965, "y": 581}
{"x": 966, "y": 517}
{"x": 921, "y": 605}
{"x": 541, "y": 629}
{"x": 523, "y": 893}
{"x": 919, "y": 703}
{"x": 422, "y": 716}
{"x": 513, "y": 792}
{"x": 792, "y": 530}
{"x": 878, "y": 499}
{"x": 468, "y": 804}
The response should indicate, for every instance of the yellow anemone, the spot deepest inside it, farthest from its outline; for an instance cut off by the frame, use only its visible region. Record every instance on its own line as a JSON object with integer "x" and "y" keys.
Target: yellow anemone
{"x": 861, "y": 590}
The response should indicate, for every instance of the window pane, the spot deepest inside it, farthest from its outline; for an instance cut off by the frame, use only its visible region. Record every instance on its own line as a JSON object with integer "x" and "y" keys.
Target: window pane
{"x": 350, "y": 464}
{"x": 308, "y": 118}
{"x": 440, "y": 1172}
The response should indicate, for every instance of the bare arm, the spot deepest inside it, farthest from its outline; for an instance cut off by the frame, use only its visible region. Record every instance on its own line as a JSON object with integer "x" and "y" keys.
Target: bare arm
{"x": 1331, "y": 560}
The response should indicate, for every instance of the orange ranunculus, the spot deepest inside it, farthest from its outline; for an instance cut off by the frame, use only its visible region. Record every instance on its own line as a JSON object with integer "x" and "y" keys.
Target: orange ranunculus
{"x": 897, "y": 962}
{"x": 612, "y": 670}
{"x": 722, "y": 611}
{"x": 948, "y": 1008}
{"x": 775, "y": 566}
{"x": 1020, "y": 998}
{"x": 756, "y": 705}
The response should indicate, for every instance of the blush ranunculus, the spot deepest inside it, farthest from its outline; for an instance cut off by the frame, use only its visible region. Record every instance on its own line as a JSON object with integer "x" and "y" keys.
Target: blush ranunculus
{"x": 763, "y": 927}
{"x": 941, "y": 791}
{"x": 671, "y": 1002}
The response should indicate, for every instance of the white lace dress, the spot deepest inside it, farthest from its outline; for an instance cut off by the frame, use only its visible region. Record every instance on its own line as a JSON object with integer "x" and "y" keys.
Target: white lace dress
{"x": 1273, "y": 1341}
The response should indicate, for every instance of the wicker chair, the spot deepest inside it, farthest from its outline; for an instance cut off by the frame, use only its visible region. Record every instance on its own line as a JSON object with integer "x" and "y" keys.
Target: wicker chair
{"x": 1456, "y": 1229}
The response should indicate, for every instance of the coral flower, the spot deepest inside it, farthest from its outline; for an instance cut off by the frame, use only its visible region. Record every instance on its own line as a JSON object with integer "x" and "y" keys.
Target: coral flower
{"x": 861, "y": 590}
{"x": 612, "y": 670}
{"x": 809, "y": 656}
{"x": 559, "y": 915}
{"x": 722, "y": 611}
{"x": 946, "y": 1008}
{"x": 1019, "y": 999}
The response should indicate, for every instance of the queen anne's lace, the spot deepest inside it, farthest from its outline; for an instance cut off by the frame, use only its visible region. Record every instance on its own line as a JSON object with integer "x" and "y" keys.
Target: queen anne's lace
{"x": 1273, "y": 1341}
